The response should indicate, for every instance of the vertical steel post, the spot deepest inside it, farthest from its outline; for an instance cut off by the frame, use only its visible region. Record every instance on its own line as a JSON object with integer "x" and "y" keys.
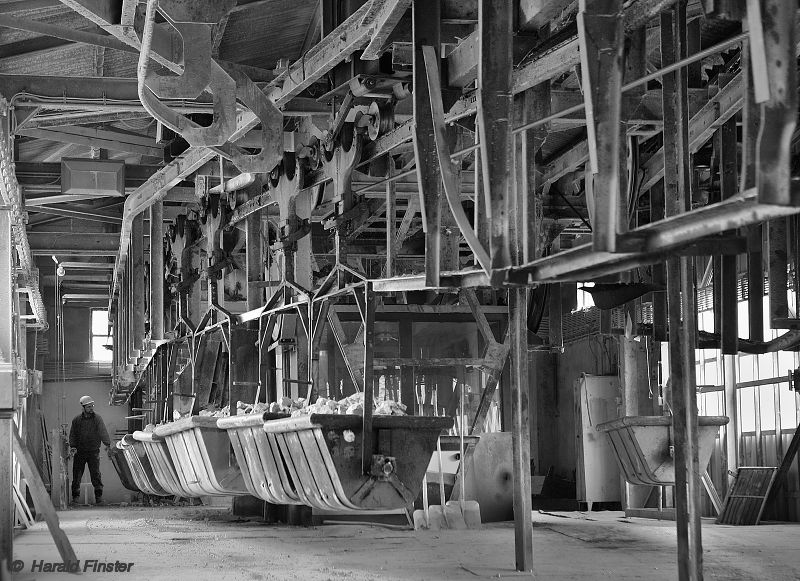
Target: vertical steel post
{"x": 8, "y": 391}
{"x": 157, "y": 271}
{"x": 681, "y": 301}
{"x": 391, "y": 221}
{"x": 602, "y": 44}
{"x": 137, "y": 256}
{"x": 732, "y": 411}
{"x": 495, "y": 32}
{"x": 755, "y": 255}
{"x": 255, "y": 258}
{"x": 516, "y": 198}
{"x": 779, "y": 112}
{"x": 369, "y": 388}
{"x": 520, "y": 429}
{"x": 426, "y": 20}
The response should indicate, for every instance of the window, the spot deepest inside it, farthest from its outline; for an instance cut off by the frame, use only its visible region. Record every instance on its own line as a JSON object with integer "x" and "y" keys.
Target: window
{"x": 100, "y": 336}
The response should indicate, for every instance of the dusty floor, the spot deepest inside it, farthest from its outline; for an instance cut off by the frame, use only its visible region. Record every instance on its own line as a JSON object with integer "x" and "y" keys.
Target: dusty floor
{"x": 202, "y": 543}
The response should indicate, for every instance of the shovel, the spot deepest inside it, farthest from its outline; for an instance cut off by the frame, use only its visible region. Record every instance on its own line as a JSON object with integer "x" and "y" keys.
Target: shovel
{"x": 469, "y": 511}
{"x": 421, "y": 517}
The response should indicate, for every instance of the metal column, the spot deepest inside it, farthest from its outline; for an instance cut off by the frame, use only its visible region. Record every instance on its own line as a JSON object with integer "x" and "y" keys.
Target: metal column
{"x": 681, "y": 301}
{"x": 8, "y": 392}
{"x": 157, "y": 271}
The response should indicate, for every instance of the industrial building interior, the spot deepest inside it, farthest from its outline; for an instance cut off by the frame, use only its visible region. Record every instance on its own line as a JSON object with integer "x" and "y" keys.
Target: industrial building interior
{"x": 401, "y": 289}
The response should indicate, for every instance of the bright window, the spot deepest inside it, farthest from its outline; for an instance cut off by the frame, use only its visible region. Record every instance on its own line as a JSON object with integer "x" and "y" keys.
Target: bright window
{"x": 100, "y": 336}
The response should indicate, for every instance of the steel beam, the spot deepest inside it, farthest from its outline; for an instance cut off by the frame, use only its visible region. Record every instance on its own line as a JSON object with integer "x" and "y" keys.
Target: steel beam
{"x": 102, "y": 138}
{"x": 69, "y": 242}
{"x": 69, "y": 34}
{"x": 92, "y": 216}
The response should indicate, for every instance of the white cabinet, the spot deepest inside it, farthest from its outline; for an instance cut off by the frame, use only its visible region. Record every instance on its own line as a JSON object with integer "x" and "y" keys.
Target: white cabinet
{"x": 597, "y": 399}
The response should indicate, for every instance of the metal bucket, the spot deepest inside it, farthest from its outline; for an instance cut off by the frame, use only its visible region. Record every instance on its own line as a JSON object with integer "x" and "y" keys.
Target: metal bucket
{"x": 140, "y": 466}
{"x": 258, "y": 454}
{"x": 163, "y": 468}
{"x": 642, "y": 446}
{"x": 201, "y": 453}
{"x": 322, "y": 454}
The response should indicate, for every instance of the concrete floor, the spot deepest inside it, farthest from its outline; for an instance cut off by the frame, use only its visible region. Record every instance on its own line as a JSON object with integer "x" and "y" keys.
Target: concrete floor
{"x": 207, "y": 543}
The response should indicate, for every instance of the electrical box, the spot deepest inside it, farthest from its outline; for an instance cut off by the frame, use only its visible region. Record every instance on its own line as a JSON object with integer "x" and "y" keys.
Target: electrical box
{"x": 93, "y": 177}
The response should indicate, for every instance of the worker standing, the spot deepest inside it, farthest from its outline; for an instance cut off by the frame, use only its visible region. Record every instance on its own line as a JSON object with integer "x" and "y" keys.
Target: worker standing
{"x": 85, "y": 435}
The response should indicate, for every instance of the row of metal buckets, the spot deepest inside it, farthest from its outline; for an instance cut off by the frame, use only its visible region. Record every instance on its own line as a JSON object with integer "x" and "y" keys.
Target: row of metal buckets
{"x": 312, "y": 460}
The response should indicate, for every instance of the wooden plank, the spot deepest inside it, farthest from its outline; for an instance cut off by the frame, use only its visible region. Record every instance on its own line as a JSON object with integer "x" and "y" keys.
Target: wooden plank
{"x": 42, "y": 500}
{"x": 384, "y": 27}
{"x": 708, "y": 484}
{"x": 786, "y": 463}
{"x": 474, "y": 306}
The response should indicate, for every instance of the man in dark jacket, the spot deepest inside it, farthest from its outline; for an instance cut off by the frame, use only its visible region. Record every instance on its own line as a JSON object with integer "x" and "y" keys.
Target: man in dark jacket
{"x": 85, "y": 436}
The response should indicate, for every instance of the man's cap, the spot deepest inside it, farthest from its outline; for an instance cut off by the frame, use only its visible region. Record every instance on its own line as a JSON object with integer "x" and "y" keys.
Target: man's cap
{"x": 86, "y": 400}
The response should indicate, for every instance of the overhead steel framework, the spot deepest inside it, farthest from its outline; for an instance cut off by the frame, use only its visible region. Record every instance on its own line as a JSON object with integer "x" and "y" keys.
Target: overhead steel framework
{"x": 455, "y": 151}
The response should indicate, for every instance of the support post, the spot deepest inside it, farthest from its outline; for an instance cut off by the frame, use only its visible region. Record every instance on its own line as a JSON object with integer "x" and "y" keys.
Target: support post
{"x": 8, "y": 393}
{"x": 495, "y": 29}
{"x": 779, "y": 112}
{"x": 493, "y": 23}
{"x": 681, "y": 301}
{"x": 426, "y": 18}
{"x": 732, "y": 411}
{"x": 729, "y": 303}
{"x": 137, "y": 256}
{"x": 391, "y": 221}
{"x": 520, "y": 430}
{"x": 602, "y": 45}
{"x": 369, "y": 389}
{"x": 157, "y": 271}
{"x": 255, "y": 256}
{"x": 755, "y": 255}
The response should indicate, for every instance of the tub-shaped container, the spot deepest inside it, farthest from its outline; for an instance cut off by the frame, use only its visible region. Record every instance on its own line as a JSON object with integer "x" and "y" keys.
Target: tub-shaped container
{"x": 202, "y": 456}
{"x": 141, "y": 468}
{"x": 642, "y": 446}
{"x": 322, "y": 455}
{"x": 161, "y": 461}
{"x": 260, "y": 460}
{"x": 124, "y": 471}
